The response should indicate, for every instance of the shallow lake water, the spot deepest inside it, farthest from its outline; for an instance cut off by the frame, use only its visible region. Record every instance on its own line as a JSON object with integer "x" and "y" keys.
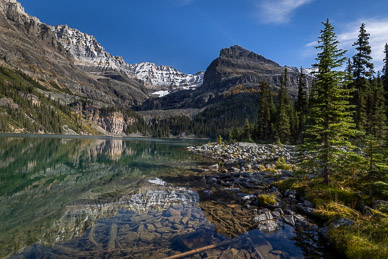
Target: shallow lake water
{"x": 117, "y": 198}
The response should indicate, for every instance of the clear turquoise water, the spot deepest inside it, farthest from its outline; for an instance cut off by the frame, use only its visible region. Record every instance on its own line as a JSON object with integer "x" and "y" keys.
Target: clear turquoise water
{"x": 106, "y": 198}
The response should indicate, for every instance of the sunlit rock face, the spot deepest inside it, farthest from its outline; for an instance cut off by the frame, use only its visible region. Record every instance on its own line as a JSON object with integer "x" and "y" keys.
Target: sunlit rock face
{"x": 88, "y": 53}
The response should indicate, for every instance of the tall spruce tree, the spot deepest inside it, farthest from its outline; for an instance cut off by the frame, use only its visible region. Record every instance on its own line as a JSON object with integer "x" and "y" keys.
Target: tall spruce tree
{"x": 301, "y": 106}
{"x": 378, "y": 118}
{"x": 349, "y": 71}
{"x": 362, "y": 71}
{"x": 247, "y": 132}
{"x": 266, "y": 113}
{"x": 385, "y": 76}
{"x": 376, "y": 129}
{"x": 283, "y": 122}
{"x": 331, "y": 117}
{"x": 362, "y": 65}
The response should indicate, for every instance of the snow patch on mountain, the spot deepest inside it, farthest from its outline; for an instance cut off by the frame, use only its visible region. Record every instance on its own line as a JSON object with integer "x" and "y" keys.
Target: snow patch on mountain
{"x": 161, "y": 93}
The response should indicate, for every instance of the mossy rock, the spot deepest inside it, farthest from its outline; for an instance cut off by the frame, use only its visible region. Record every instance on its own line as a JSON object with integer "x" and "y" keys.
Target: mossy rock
{"x": 332, "y": 211}
{"x": 266, "y": 199}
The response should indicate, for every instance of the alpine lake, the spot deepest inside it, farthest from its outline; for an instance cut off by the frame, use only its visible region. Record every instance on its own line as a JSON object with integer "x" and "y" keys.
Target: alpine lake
{"x": 84, "y": 197}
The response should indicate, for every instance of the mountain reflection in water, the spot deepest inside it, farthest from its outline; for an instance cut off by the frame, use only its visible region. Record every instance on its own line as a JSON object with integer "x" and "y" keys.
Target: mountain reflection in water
{"x": 54, "y": 189}
{"x": 107, "y": 198}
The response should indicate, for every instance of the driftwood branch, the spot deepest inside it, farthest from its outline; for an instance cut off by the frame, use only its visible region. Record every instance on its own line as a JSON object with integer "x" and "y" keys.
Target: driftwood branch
{"x": 198, "y": 250}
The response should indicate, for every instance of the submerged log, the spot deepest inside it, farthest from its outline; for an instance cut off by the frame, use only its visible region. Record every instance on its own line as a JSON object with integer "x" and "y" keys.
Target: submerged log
{"x": 198, "y": 250}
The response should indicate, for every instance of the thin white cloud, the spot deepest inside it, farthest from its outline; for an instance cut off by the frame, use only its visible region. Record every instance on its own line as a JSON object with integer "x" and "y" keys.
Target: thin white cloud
{"x": 278, "y": 11}
{"x": 348, "y": 34}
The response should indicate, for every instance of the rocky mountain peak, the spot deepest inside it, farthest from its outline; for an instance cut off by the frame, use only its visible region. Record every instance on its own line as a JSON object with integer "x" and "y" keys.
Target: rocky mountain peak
{"x": 14, "y": 11}
{"x": 238, "y": 66}
{"x": 88, "y": 52}
{"x": 238, "y": 52}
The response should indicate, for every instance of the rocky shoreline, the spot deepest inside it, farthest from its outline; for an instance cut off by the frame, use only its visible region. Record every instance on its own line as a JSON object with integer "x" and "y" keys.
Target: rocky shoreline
{"x": 249, "y": 171}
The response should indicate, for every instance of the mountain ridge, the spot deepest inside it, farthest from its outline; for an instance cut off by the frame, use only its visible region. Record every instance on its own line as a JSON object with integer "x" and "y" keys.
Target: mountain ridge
{"x": 235, "y": 67}
{"x": 73, "y": 69}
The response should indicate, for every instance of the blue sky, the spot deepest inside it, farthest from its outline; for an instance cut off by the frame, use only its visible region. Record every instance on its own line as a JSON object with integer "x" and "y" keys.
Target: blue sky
{"x": 188, "y": 34}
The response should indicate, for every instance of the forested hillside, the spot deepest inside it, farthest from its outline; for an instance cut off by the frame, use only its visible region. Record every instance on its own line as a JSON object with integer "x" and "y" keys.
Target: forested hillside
{"x": 24, "y": 109}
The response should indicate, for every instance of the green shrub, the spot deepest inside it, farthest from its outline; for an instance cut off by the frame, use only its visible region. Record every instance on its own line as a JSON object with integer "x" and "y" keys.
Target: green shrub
{"x": 364, "y": 239}
{"x": 282, "y": 164}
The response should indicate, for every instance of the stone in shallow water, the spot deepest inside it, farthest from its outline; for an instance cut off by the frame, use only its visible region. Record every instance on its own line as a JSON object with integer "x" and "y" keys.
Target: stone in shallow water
{"x": 263, "y": 217}
{"x": 172, "y": 212}
{"x": 194, "y": 240}
{"x": 232, "y": 253}
{"x": 185, "y": 220}
{"x": 280, "y": 211}
{"x": 289, "y": 219}
{"x": 300, "y": 220}
{"x": 276, "y": 252}
{"x": 145, "y": 235}
{"x": 132, "y": 236}
{"x": 268, "y": 226}
{"x": 289, "y": 212}
{"x": 150, "y": 227}
{"x": 276, "y": 214}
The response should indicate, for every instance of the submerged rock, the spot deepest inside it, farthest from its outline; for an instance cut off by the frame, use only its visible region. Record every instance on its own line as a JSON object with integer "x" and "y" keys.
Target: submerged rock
{"x": 289, "y": 219}
{"x": 268, "y": 226}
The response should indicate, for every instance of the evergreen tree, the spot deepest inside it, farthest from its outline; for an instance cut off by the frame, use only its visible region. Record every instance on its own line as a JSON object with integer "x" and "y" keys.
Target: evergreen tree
{"x": 283, "y": 123}
{"x": 362, "y": 71}
{"x": 301, "y": 106}
{"x": 331, "y": 123}
{"x": 362, "y": 65}
{"x": 247, "y": 136}
{"x": 378, "y": 118}
{"x": 230, "y": 137}
{"x": 266, "y": 112}
{"x": 349, "y": 74}
{"x": 385, "y": 77}
{"x": 377, "y": 165}
{"x": 236, "y": 135}
{"x": 349, "y": 67}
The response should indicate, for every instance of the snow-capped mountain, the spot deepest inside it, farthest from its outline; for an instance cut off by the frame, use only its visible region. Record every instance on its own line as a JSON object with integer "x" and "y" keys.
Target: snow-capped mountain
{"x": 92, "y": 57}
{"x": 166, "y": 76}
